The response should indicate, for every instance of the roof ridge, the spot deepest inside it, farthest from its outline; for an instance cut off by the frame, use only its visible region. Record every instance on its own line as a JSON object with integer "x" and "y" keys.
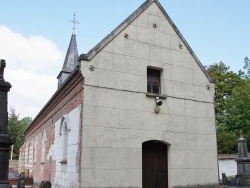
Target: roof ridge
{"x": 116, "y": 31}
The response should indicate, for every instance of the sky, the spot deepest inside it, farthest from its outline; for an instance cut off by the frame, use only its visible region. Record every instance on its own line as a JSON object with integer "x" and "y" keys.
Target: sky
{"x": 34, "y": 37}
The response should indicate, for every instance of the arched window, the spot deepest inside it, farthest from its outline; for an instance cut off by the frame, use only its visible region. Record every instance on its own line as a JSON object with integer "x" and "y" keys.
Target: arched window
{"x": 43, "y": 146}
{"x": 34, "y": 150}
{"x": 28, "y": 156}
{"x": 64, "y": 139}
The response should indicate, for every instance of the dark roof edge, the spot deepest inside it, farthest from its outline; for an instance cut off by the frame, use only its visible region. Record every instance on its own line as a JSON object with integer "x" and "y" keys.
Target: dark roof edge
{"x": 62, "y": 72}
{"x": 83, "y": 57}
{"x": 53, "y": 96}
{"x": 115, "y": 32}
{"x": 126, "y": 22}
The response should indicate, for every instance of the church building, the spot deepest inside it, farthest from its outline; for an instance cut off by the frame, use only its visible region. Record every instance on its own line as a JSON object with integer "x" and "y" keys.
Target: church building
{"x": 136, "y": 111}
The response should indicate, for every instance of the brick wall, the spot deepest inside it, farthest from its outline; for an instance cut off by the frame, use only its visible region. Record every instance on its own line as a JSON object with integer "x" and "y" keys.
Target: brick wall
{"x": 67, "y": 98}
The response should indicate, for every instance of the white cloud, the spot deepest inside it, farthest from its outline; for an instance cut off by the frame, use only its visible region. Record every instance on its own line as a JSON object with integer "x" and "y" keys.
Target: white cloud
{"x": 33, "y": 64}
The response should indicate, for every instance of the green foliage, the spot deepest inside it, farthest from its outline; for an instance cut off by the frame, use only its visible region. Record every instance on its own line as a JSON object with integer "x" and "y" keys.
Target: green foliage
{"x": 227, "y": 142}
{"x": 16, "y": 130}
{"x": 245, "y": 73}
{"x": 225, "y": 82}
{"x": 238, "y": 109}
{"x": 232, "y": 104}
{"x": 230, "y": 178}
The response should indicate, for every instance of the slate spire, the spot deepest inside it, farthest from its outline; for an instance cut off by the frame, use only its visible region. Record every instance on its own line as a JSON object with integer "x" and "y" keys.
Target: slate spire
{"x": 70, "y": 62}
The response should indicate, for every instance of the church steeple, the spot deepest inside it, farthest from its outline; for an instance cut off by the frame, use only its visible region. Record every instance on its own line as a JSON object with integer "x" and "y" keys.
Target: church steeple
{"x": 70, "y": 62}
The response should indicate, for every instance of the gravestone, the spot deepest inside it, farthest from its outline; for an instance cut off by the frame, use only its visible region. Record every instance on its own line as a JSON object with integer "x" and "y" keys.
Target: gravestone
{"x": 243, "y": 163}
{"x": 225, "y": 180}
{"x": 45, "y": 184}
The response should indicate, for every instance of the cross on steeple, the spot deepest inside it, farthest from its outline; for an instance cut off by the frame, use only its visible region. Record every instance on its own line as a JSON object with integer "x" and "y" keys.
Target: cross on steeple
{"x": 70, "y": 61}
{"x": 74, "y": 23}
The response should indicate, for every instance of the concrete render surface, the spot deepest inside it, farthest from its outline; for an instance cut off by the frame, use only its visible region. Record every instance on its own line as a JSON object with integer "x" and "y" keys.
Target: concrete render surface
{"x": 115, "y": 126}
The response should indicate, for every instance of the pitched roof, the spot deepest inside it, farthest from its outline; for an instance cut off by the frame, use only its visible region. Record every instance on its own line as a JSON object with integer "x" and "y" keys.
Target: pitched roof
{"x": 130, "y": 19}
{"x": 70, "y": 62}
{"x": 46, "y": 107}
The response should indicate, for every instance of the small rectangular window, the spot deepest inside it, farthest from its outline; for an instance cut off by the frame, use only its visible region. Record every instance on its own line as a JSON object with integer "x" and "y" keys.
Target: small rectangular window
{"x": 153, "y": 77}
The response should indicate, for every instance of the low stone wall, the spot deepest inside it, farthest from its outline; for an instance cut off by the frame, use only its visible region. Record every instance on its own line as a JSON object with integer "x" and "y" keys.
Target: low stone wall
{"x": 13, "y": 168}
{"x": 227, "y": 165}
{"x": 28, "y": 181}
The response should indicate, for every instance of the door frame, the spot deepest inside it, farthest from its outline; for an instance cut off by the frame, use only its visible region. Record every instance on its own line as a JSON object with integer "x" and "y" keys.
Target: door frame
{"x": 161, "y": 144}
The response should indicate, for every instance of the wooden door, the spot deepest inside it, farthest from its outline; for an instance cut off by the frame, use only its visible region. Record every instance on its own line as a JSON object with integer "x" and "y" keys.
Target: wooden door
{"x": 154, "y": 165}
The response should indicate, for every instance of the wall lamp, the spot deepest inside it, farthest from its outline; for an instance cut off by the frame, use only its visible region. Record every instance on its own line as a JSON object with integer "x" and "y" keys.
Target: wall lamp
{"x": 158, "y": 104}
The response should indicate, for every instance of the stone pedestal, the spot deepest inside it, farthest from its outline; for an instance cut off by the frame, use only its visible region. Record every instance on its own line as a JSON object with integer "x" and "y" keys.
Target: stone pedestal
{"x": 5, "y": 140}
{"x": 242, "y": 148}
{"x": 243, "y": 163}
{"x": 243, "y": 166}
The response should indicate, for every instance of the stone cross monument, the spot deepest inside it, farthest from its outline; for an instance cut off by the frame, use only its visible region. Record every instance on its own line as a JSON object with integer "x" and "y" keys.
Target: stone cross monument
{"x": 5, "y": 140}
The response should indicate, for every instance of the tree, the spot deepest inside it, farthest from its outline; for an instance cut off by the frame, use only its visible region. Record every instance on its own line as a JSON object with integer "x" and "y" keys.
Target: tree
{"x": 226, "y": 142}
{"x": 246, "y": 69}
{"x": 238, "y": 109}
{"x": 16, "y": 130}
{"x": 237, "y": 112}
{"x": 225, "y": 82}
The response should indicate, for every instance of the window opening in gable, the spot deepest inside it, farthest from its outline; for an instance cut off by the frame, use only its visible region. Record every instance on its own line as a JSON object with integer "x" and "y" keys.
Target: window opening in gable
{"x": 153, "y": 81}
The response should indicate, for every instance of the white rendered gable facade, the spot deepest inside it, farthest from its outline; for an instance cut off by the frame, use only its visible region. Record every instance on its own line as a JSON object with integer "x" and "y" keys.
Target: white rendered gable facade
{"x": 119, "y": 115}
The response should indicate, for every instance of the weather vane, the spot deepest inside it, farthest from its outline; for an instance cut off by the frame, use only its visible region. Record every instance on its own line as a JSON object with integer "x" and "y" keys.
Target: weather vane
{"x": 74, "y": 21}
